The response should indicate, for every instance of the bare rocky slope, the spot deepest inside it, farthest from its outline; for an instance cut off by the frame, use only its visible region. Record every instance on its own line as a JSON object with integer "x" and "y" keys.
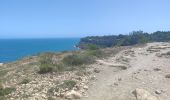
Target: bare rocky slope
{"x": 134, "y": 73}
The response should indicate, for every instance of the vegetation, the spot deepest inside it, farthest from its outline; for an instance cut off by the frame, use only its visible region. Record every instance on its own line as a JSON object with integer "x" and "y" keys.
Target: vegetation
{"x": 71, "y": 61}
{"x": 77, "y": 59}
{"x": 25, "y": 81}
{"x": 68, "y": 84}
{"x": 135, "y": 37}
{"x": 6, "y": 91}
{"x": 92, "y": 47}
{"x": 47, "y": 65}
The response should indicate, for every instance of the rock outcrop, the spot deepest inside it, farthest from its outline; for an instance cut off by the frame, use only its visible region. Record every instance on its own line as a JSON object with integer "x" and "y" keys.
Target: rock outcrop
{"x": 73, "y": 95}
{"x": 142, "y": 94}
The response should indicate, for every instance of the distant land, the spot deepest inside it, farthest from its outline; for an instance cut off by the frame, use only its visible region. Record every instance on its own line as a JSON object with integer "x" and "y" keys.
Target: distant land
{"x": 135, "y": 37}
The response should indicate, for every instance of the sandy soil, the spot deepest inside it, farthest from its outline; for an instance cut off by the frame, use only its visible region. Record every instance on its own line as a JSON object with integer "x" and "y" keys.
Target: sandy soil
{"x": 145, "y": 69}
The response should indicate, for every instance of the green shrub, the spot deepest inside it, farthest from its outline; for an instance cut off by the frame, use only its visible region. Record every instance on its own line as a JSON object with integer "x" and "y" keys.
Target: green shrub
{"x": 45, "y": 63}
{"x": 3, "y": 98}
{"x": 50, "y": 98}
{"x": 6, "y": 91}
{"x": 45, "y": 68}
{"x": 25, "y": 81}
{"x": 1, "y": 85}
{"x": 77, "y": 59}
{"x": 96, "y": 53}
{"x": 68, "y": 84}
{"x": 59, "y": 67}
{"x": 92, "y": 47}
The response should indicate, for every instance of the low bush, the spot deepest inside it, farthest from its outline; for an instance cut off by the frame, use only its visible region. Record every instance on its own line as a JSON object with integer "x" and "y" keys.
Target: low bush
{"x": 3, "y": 98}
{"x": 25, "y": 81}
{"x": 6, "y": 91}
{"x": 96, "y": 53}
{"x": 68, "y": 63}
{"x": 68, "y": 84}
{"x": 46, "y": 64}
{"x": 92, "y": 47}
{"x": 77, "y": 59}
{"x": 45, "y": 68}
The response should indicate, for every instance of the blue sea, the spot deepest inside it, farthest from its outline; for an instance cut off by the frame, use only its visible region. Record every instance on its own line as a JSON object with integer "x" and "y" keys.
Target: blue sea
{"x": 15, "y": 49}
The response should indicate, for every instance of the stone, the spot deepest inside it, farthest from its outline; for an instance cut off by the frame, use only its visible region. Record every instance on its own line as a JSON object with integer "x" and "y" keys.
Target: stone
{"x": 93, "y": 77}
{"x": 142, "y": 94}
{"x": 158, "y": 91}
{"x": 119, "y": 79}
{"x": 85, "y": 87}
{"x": 122, "y": 66}
{"x": 167, "y": 76}
{"x": 96, "y": 70}
{"x": 156, "y": 69}
{"x": 73, "y": 95}
{"x": 116, "y": 84}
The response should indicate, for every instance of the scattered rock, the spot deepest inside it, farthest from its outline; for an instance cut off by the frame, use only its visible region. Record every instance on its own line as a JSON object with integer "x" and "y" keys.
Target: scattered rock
{"x": 116, "y": 84}
{"x": 85, "y": 87}
{"x": 73, "y": 95}
{"x": 96, "y": 70}
{"x": 167, "y": 76}
{"x": 119, "y": 79}
{"x": 142, "y": 94}
{"x": 122, "y": 66}
{"x": 145, "y": 70}
{"x": 156, "y": 69}
{"x": 158, "y": 91}
{"x": 93, "y": 78}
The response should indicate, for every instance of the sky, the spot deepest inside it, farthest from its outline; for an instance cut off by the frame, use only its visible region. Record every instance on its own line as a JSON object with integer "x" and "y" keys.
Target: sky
{"x": 79, "y": 18}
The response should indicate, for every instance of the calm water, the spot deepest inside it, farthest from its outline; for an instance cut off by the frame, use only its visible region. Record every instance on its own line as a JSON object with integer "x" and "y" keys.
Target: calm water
{"x": 14, "y": 49}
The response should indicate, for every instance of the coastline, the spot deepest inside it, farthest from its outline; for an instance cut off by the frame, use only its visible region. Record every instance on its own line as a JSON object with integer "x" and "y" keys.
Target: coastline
{"x": 1, "y": 64}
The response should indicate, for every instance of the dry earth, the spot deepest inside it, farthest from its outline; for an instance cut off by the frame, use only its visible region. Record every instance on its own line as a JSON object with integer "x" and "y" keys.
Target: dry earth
{"x": 145, "y": 70}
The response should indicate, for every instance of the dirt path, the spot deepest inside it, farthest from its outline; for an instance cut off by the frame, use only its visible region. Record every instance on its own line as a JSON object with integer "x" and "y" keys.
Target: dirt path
{"x": 144, "y": 70}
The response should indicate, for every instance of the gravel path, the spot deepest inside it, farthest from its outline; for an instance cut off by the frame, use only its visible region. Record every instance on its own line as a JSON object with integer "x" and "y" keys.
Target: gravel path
{"x": 144, "y": 70}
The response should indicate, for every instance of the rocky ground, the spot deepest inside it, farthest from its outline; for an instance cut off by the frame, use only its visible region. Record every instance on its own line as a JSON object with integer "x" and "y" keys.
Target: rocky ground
{"x": 139, "y": 73}
{"x": 135, "y": 73}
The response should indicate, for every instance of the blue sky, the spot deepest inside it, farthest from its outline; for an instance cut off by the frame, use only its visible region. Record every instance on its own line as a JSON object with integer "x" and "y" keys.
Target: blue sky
{"x": 78, "y": 18}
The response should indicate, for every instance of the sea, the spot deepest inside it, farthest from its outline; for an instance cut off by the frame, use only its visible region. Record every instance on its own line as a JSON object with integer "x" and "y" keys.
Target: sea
{"x": 15, "y": 49}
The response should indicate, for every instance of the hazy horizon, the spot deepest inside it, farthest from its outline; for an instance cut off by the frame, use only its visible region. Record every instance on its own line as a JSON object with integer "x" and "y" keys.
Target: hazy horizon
{"x": 76, "y": 19}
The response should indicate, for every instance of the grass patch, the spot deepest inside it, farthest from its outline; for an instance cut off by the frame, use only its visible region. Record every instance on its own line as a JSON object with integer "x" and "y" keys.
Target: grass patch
{"x": 68, "y": 62}
{"x": 77, "y": 59}
{"x": 3, "y": 98}
{"x": 6, "y": 91}
{"x": 68, "y": 84}
{"x": 25, "y": 81}
{"x": 95, "y": 53}
{"x": 3, "y": 72}
{"x": 45, "y": 68}
{"x": 46, "y": 64}
{"x": 92, "y": 47}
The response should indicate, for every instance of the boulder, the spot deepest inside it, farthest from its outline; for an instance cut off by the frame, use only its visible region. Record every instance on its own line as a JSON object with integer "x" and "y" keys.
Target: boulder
{"x": 96, "y": 70}
{"x": 122, "y": 66}
{"x": 73, "y": 95}
{"x": 167, "y": 76}
{"x": 158, "y": 91}
{"x": 85, "y": 87}
{"x": 142, "y": 94}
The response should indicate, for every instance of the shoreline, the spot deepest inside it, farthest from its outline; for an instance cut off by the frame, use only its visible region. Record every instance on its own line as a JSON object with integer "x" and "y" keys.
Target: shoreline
{"x": 1, "y": 64}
